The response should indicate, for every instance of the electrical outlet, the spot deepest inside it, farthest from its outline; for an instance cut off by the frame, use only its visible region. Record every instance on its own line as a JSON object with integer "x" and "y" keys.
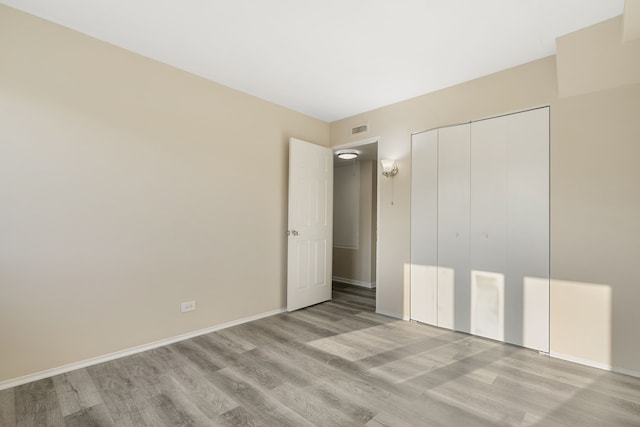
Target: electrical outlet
{"x": 187, "y": 306}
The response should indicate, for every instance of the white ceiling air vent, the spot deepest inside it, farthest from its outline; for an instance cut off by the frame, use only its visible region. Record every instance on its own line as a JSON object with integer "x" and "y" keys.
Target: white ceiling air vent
{"x": 361, "y": 128}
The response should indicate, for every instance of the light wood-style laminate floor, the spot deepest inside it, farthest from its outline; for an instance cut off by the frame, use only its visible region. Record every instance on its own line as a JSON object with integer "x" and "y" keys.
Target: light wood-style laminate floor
{"x": 334, "y": 364}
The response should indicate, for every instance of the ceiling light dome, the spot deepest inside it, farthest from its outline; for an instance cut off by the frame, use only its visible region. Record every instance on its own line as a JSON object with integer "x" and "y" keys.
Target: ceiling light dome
{"x": 347, "y": 154}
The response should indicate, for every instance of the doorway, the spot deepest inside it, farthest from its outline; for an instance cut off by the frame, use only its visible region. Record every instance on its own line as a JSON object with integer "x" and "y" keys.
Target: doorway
{"x": 355, "y": 222}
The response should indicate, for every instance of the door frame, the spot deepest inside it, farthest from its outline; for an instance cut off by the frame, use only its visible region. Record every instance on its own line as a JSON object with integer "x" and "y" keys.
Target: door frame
{"x": 354, "y": 145}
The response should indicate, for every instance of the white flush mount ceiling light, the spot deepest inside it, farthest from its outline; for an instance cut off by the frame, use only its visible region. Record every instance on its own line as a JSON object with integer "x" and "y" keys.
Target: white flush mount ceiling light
{"x": 347, "y": 154}
{"x": 389, "y": 167}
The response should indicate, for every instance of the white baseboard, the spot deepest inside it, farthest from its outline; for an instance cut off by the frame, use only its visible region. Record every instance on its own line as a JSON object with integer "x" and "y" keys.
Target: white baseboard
{"x": 581, "y": 361}
{"x": 625, "y": 371}
{"x": 13, "y": 382}
{"x": 369, "y": 285}
{"x": 591, "y": 363}
{"x": 394, "y": 315}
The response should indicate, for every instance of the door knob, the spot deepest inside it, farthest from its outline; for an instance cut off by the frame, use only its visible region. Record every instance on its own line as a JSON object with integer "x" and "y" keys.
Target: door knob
{"x": 294, "y": 232}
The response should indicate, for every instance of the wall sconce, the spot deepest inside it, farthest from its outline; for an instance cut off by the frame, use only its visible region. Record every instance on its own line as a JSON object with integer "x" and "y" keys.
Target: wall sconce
{"x": 389, "y": 167}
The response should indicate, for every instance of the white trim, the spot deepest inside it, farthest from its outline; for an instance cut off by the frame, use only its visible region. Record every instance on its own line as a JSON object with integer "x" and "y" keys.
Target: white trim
{"x": 627, "y": 372}
{"x": 599, "y": 365}
{"x": 581, "y": 361}
{"x": 13, "y": 382}
{"x": 369, "y": 285}
{"x": 484, "y": 118}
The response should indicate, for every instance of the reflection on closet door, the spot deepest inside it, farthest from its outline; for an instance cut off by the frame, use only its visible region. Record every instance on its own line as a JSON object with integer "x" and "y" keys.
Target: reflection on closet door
{"x": 446, "y": 297}
{"x": 424, "y": 227}
{"x": 487, "y": 304}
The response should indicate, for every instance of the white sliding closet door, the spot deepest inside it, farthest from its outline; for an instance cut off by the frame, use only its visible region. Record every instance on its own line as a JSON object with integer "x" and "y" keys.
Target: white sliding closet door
{"x": 454, "y": 296}
{"x": 488, "y": 226}
{"x": 424, "y": 227}
{"x": 509, "y": 242}
{"x": 527, "y": 297}
{"x": 480, "y": 228}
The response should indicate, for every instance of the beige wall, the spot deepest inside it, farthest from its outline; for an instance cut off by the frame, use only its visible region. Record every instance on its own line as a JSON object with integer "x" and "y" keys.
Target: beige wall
{"x": 595, "y": 197}
{"x": 127, "y": 187}
{"x": 631, "y": 24}
{"x": 595, "y": 59}
{"x": 595, "y": 227}
{"x": 357, "y": 265}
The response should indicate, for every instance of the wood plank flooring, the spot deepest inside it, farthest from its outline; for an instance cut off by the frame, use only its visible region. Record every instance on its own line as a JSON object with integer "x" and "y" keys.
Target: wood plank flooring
{"x": 333, "y": 364}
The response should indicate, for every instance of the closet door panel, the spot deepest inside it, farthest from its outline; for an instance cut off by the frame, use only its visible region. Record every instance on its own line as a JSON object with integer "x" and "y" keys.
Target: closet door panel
{"x": 527, "y": 286}
{"x": 454, "y": 296}
{"x": 480, "y": 228}
{"x": 424, "y": 227}
{"x": 488, "y": 194}
{"x": 488, "y": 226}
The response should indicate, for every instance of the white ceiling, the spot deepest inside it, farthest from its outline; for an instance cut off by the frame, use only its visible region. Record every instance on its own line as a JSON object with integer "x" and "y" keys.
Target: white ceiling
{"x": 331, "y": 58}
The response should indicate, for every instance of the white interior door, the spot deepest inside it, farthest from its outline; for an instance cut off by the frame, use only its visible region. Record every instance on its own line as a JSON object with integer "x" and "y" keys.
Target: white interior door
{"x": 310, "y": 228}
